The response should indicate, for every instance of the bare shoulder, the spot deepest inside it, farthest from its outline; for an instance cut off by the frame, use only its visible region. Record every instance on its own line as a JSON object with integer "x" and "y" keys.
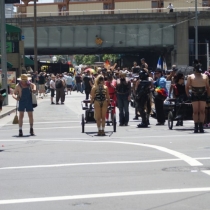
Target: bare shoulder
{"x": 205, "y": 76}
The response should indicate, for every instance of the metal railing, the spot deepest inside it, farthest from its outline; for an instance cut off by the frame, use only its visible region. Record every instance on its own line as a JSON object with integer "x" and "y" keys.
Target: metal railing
{"x": 104, "y": 12}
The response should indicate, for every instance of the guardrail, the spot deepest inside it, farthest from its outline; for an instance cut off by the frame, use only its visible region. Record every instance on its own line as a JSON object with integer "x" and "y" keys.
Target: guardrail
{"x": 104, "y": 12}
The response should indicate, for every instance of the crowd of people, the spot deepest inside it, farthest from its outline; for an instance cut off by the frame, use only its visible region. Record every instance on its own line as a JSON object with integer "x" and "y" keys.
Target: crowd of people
{"x": 110, "y": 86}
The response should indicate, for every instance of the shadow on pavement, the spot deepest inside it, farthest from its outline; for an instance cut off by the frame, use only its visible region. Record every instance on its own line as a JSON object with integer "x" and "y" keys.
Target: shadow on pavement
{"x": 95, "y": 134}
{"x": 16, "y": 136}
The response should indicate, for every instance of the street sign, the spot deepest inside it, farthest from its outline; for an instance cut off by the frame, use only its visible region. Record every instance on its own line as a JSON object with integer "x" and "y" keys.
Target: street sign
{"x": 12, "y": 1}
{"x": 22, "y": 37}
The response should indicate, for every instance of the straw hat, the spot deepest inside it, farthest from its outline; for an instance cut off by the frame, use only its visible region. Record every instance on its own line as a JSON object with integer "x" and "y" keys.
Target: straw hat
{"x": 52, "y": 76}
{"x": 24, "y": 77}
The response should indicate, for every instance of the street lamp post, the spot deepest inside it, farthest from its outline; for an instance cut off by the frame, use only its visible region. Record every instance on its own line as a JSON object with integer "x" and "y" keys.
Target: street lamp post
{"x": 3, "y": 49}
{"x": 196, "y": 29}
{"x": 35, "y": 38}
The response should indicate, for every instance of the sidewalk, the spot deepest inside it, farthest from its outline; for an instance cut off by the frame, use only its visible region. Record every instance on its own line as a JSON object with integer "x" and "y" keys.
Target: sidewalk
{"x": 6, "y": 110}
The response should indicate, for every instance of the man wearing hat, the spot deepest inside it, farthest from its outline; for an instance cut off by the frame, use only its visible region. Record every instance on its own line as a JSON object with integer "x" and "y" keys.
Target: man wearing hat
{"x": 22, "y": 93}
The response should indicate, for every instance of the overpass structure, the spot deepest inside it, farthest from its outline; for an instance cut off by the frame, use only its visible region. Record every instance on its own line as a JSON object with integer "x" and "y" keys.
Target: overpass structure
{"x": 149, "y": 33}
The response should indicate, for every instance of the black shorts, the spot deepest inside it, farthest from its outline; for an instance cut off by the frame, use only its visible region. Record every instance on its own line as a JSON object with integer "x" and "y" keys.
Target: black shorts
{"x": 52, "y": 92}
{"x": 199, "y": 97}
{"x": 69, "y": 86}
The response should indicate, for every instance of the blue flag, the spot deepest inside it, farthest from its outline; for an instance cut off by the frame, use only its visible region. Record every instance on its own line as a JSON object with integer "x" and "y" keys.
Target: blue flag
{"x": 159, "y": 63}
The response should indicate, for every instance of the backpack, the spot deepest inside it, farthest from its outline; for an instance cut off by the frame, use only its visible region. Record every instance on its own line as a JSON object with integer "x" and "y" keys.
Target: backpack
{"x": 59, "y": 83}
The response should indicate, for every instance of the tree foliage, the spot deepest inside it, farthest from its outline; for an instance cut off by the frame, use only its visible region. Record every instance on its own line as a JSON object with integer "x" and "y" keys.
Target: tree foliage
{"x": 110, "y": 57}
{"x": 85, "y": 59}
{"x": 91, "y": 59}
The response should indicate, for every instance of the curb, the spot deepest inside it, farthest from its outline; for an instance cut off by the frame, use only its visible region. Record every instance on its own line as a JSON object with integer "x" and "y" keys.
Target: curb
{"x": 6, "y": 113}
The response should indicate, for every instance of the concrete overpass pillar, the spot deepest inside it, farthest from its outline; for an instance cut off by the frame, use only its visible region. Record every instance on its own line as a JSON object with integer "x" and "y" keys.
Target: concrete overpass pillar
{"x": 180, "y": 55}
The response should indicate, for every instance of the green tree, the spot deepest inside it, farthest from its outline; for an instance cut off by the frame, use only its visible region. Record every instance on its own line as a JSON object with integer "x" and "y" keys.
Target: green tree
{"x": 85, "y": 59}
{"x": 89, "y": 59}
{"x": 79, "y": 59}
{"x": 110, "y": 57}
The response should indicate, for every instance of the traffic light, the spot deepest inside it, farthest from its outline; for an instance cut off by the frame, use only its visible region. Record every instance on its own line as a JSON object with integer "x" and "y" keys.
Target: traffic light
{"x": 12, "y": 1}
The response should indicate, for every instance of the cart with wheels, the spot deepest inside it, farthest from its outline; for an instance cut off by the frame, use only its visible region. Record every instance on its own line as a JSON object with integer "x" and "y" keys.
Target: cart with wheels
{"x": 88, "y": 116}
{"x": 180, "y": 112}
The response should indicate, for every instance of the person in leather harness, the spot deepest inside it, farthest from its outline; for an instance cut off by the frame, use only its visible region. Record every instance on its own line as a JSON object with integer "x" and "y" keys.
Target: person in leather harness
{"x": 100, "y": 98}
{"x": 143, "y": 96}
{"x": 123, "y": 97}
{"x": 199, "y": 84}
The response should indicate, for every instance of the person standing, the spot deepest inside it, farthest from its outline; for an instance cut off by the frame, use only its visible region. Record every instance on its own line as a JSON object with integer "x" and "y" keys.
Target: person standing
{"x": 69, "y": 82}
{"x": 143, "y": 97}
{"x": 144, "y": 65}
{"x": 41, "y": 80}
{"x": 52, "y": 87}
{"x": 199, "y": 84}
{"x": 60, "y": 94}
{"x": 78, "y": 79}
{"x": 100, "y": 98}
{"x": 160, "y": 83}
{"x": 123, "y": 90}
{"x": 88, "y": 83}
{"x": 111, "y": 84}
{"x": 170, "y": 7}
{"x": 23, "y": 94}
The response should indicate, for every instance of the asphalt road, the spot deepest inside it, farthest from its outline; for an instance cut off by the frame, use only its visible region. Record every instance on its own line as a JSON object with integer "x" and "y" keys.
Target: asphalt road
{"x": 62, "y": 168}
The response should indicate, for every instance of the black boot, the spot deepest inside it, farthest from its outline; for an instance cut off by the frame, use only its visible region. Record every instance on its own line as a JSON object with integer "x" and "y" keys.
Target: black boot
{"x": 20, "y": 133}
{"x": 201, "y": 127}
{"x": 32, "y": 132}
{"x": 142, "y": 125}
{"x": 196, "y": 128}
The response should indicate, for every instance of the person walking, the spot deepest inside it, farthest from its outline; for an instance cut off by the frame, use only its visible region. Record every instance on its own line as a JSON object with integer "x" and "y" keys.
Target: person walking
{"x": 23, "y": 94}
{"x": 69, "y": 83}
{"x": 52, "y": 87}
{"x": 123, "y": 90}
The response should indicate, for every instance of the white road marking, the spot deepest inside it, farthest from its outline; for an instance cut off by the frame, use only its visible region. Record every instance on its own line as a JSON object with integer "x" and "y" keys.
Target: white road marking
{"x": 104, "y": 195}
{"x": 98, "y": 163}
{"x": 187, "y": 159}
{"x": 50, "y": 122}
{"x": 88, "y": 164}
{"x": 206, "y": 172}
{"x": 107, "y": 138}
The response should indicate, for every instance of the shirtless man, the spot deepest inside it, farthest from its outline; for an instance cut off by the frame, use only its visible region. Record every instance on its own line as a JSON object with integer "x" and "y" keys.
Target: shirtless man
{"x": 199, "y": 84}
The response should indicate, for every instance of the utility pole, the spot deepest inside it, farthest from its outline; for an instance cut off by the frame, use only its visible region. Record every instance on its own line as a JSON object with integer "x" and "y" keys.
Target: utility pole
{"x": 3, "y": 49}
{"x": 35, "y": 38}
{"x": 207, "y": 55}
{"x": 196, "y": 29}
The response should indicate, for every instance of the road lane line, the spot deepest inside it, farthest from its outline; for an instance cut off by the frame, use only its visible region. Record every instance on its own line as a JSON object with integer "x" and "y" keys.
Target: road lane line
{"x": 104, "y": 195}
{"x": 206, "y": 172}
{"x": 108, "y": 138}
{"x": 88, "y": 164}
{"x": 187, "y": 159}
{"x": 97, "y": 163}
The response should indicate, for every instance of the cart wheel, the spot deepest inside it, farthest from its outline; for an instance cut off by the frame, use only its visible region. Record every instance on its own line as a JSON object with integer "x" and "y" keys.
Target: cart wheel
{"x": 170, "y": 120}
{"x": 114, "y": 123}
{"x": 83, "y": 123}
